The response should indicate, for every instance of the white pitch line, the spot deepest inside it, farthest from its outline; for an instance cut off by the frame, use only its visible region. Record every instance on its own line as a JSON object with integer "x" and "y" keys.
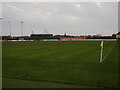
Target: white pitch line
{"x": 108, "y": 52}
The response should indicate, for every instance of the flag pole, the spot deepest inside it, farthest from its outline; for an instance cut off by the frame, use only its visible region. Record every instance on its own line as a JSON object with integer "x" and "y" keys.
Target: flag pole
{"x": 21, "y": 28}
{"x": 101, "y": 54}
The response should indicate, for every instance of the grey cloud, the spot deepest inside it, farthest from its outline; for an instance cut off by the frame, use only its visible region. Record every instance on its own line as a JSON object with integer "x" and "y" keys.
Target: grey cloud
{"x": 58, "y": 18}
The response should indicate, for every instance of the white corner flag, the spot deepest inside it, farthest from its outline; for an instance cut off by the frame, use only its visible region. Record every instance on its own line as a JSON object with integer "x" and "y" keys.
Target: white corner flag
{"x": 101, "y": 54}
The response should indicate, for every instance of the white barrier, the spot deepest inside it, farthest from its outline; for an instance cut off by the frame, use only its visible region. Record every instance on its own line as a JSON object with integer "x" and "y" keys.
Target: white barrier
{"x": 77, "y": 40}
{"x": 101, "y": 39}
{"x": 92, "y": 40}
{"x": 16, "y": 40}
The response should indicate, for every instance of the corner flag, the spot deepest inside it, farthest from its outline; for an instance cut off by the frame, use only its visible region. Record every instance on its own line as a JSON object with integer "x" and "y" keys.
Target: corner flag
{"x": 101, "y": 44}
{"x": 101, "y": 55}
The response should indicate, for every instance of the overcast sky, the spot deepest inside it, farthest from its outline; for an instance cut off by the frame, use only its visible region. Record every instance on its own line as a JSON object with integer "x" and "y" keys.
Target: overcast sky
{"x": 57, "y": 18}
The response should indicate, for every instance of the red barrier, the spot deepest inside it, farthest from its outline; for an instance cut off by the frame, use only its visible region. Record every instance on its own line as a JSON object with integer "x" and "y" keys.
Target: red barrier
{"x": 71, "y": 38}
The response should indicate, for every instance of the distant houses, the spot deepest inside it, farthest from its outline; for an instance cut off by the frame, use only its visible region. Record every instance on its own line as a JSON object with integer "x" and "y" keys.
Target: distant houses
{"x": 59, "y": 37}
{"x": 116, "y": 35}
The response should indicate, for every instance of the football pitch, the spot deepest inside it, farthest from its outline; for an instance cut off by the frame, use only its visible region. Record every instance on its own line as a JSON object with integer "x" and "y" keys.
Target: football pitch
{"x": 59, "y": 64}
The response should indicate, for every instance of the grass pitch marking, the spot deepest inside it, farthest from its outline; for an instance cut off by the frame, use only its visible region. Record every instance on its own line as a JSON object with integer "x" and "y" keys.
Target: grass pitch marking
{"x": 108, "y": 53}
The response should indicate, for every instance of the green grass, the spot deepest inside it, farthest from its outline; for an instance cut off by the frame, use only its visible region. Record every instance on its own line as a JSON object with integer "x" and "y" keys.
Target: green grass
{"x": 17, "y": 83}
{"x": 63, "y": 62}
